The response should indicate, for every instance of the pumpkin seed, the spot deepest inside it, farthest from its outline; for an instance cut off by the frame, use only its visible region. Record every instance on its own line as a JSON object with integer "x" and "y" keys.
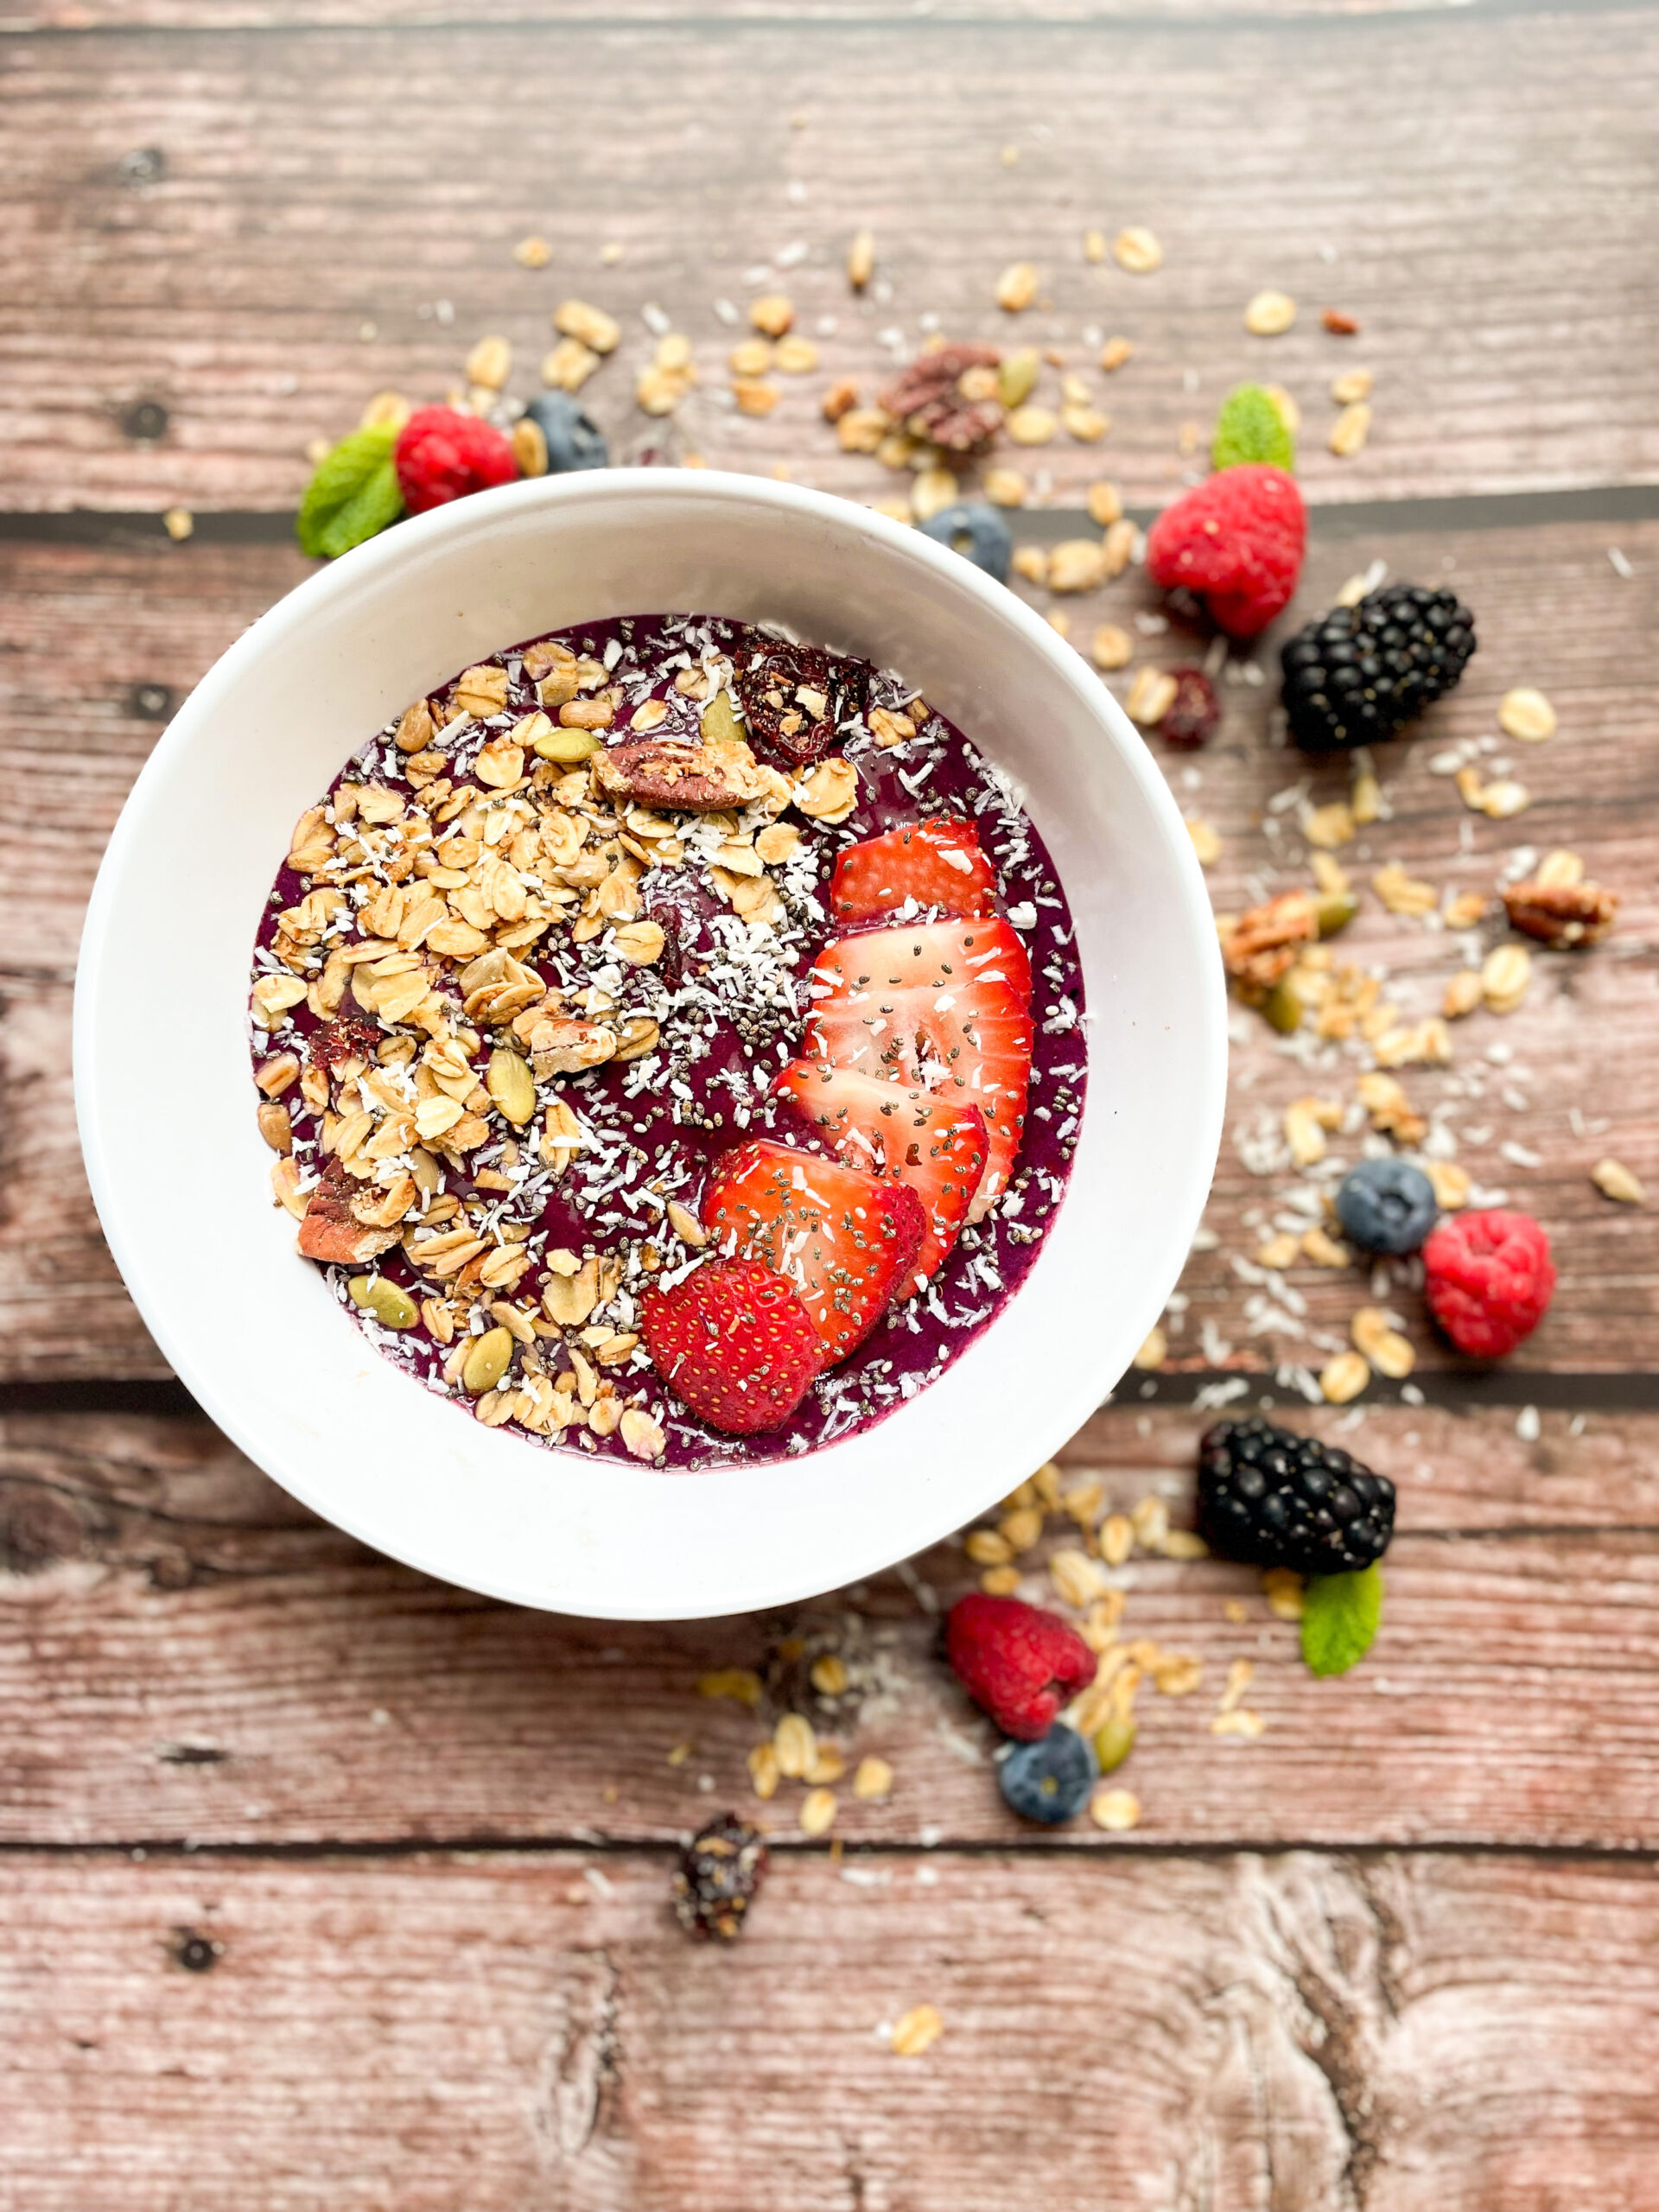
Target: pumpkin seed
{"x": 1282, "y": 1008}
{"x": 487, "y": 1363}
{"x": 1334, "y": 910}
{"x": 511, "y": 1085}
{"x": 1614, "y": 1180}
{"x": 1016, "y": 378}
{"x": 1113, "y": 1741}
{"x": 391, "y": 1307}
{"x": 719, "y": 722}
{"x": 567, "y": 745}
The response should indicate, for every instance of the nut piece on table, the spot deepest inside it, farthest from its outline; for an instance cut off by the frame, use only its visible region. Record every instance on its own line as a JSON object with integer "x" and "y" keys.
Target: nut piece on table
{"x": 1561, "y": 914}
{"x": 668, "y": 773}
{"x": 1261, "y": 945}
{"x": 589, "y": 326}
{"x": 926, "y": 400}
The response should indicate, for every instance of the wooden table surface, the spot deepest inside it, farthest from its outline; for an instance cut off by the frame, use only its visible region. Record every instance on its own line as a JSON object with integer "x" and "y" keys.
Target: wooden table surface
{"x": 325, "y": 1884}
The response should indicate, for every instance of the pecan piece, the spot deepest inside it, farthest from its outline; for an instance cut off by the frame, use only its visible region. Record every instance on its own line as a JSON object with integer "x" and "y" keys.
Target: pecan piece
{"x": 796, "y": 697}
{"x": 1561, "y": 914}
{"x": 331, "y": 1232}
{"x": 566, "y": 1047}
{"x": 927, "y": 401}
{"x": 671, "y": 776}
{"x": 1262, "y": 943}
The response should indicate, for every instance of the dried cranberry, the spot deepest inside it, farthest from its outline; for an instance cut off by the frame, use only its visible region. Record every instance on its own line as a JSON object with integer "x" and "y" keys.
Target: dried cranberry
{"x": 795, "y": 697}
{"x": 347, "y": 1037}
{"x": 671, "y": 966}
{"x": 719, "y": 1872}
{"x": 1194, "y": 713}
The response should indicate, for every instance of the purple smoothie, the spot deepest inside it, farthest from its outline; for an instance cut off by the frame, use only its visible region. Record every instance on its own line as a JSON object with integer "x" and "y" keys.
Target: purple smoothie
{"x": 730, "y": 1004}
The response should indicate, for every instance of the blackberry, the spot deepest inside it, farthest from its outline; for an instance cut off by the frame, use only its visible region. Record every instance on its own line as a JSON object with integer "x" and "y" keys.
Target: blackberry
{"x": 1359, "y": 674}
{"x": 1273, "y": 1498}
{"x": 719, "y": 1872}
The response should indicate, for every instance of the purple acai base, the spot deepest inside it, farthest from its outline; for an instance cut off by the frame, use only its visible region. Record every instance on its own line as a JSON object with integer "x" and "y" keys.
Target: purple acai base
{"x": 736, "y": 1013}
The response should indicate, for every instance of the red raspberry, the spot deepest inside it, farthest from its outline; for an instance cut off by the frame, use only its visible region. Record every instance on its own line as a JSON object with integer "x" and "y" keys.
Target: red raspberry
{"x": 1489, "y": 1281}
{"x": 441, "y": 455}
{"x": 1008, "y": 1657}
{"x": 1238, "y": 539}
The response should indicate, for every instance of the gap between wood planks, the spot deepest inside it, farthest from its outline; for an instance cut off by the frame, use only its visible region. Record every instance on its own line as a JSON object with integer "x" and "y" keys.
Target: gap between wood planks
{"x": 1336, "y": 519}
{"x": 591, "y": 1844}
{"x": 1615, "y": 1391}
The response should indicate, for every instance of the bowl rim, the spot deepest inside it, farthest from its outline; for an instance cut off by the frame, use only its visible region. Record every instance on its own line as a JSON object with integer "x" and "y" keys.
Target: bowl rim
{"x": 416, "y": 538}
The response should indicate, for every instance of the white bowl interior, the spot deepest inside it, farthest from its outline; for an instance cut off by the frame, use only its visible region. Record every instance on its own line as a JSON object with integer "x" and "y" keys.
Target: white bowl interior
{"x": 182, "y": 1177}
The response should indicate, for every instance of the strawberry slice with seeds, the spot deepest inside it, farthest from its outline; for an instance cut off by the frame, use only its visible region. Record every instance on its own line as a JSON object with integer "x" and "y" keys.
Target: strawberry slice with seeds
{"x": 844, "y": 1240}
{"x": 734, "y": 1342}
{"x": 929, "y": 1139}
{"x": 940, "y": 862}
{"x": 944, "y": 1006}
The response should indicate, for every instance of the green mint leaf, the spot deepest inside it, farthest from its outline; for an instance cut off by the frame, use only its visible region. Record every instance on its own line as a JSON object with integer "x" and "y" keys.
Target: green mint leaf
{"x": 1250, "y": 428}
{"x": 1340, "y": 1615}
{"x": 354, "y": 493}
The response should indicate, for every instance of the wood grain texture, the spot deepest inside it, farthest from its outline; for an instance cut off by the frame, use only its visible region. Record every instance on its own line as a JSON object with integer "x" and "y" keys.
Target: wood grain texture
{"x": 89, "y": 627}
{"x": 411, "y": 15}
{"x": 1491, "y": 237}
{"x": 194, "y": 1656}
{"x": 533, "y": 2033}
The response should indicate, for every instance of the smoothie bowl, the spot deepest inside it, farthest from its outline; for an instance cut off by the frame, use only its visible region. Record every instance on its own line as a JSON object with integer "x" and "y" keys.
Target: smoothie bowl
{"x": 702, "y": 1049}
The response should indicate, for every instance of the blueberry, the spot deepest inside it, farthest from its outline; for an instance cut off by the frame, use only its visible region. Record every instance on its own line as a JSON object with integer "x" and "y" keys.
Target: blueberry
{"x": 1387, "y": 1205}
{"x": 1050, "y": 1780}
{"x": 573, "y": 440}
{"x": 977, "y": 531}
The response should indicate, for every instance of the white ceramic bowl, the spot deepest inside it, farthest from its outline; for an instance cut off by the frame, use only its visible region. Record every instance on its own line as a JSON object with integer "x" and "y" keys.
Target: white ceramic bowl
{"x": 182, "y": 1177}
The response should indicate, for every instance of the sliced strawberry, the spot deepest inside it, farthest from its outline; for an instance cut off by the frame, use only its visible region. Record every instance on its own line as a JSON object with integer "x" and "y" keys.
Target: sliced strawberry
{"x": 844, "y": 1239}
{"x": 734, "y": 1342}
{"x": 931, "y": 1141}
{"x": 943, "y": 1005}
{"x": 937, "y": 863}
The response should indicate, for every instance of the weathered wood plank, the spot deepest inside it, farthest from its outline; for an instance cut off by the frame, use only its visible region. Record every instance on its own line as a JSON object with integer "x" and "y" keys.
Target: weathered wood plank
{"x": 409, "y": 16}
{"x": 527, "y": 2033}
{"x": 1490, "y": 234}
{"x": 192, "y": 1656}
{"x": 88, "y": 626}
